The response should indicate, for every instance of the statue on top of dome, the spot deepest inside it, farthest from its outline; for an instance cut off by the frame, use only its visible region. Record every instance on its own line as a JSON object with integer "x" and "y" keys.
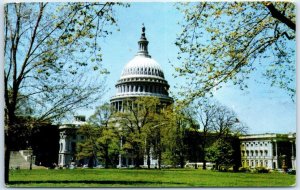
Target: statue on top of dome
{"x": 143, "y": 31}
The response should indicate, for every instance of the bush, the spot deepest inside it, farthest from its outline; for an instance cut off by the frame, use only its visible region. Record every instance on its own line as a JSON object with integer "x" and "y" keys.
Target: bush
{"x": 244, "y": 169}
{"x": 291, "y": 171}
{"x": 262, "y": 170}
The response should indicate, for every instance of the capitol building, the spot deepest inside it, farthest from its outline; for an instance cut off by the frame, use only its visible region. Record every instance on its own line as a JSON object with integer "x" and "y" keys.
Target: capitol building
{"x": 141, "y": 77}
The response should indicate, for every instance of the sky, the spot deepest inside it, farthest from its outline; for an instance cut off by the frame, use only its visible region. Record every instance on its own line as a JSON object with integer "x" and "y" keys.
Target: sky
{"x": 264, "y": 109}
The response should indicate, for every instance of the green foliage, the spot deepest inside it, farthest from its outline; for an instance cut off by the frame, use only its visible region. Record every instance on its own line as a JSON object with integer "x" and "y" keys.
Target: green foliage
{"x": 173, "y": 135}
{"x": 87, "y": 148}
{"x": 102, "y": 139}
{"x": 220, "y": 153}
{"x": 139, "y": 123}
{"x": 224, "y": 42}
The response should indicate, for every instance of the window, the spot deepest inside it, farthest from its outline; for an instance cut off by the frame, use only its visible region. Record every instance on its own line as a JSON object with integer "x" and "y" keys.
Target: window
{"x": 73, "y": 146}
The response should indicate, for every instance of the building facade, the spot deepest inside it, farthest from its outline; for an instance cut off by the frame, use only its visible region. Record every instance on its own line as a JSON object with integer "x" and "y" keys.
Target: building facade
{"x": 272, "y": 151}
{"x": 68, "y": 141}
{"x": 141, "y": 77}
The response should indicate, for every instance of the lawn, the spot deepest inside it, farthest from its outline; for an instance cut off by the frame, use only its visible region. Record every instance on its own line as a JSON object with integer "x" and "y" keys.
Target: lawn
{"x": 145, "y": 178}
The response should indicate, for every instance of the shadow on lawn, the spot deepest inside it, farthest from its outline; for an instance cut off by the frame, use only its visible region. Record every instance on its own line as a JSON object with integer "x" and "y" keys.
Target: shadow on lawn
{"x": 92, "y": 182}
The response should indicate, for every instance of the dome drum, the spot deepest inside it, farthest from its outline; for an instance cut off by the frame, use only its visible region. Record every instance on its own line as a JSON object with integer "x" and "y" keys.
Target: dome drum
{"x": 142, "y": 80}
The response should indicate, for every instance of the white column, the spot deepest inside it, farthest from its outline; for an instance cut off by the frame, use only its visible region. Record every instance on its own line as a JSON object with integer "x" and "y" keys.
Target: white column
{"x": 120, "y": 156}
{"x": 293, "y": 155}
{"x": 276, "y": 154}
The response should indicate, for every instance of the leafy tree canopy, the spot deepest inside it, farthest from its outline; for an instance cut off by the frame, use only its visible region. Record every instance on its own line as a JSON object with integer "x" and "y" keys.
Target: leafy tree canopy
{"x": 226, "y": 41}
{"x": 49, "y": 48}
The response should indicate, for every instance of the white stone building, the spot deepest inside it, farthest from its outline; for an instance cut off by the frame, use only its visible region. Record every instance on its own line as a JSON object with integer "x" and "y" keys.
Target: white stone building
{"x": 268, "y": 150}
{"x": 68, "y": 141}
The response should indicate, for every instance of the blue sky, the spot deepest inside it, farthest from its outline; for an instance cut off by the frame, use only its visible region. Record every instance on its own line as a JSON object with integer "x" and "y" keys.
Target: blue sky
{"x": 262, "y": 108}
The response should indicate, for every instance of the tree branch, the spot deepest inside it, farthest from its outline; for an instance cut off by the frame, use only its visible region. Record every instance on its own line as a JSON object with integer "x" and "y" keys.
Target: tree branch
{"x": 278, "y": 15}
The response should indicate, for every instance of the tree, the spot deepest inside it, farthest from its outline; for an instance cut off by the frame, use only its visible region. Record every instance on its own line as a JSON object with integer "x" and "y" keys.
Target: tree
{"x": 109, "y": 146}
{"x": 226, "y": 41}
{"x": 214, "y": 122}
{"x": 177, "y": 121}
{"x": 108, "y": 140}
{"x": 226, "y": 123}
{"x": 220, "y": 153}
{"x": 42, "y": 44}
{"x": 204, "y": 112}
{"x": 88, "y": 148}
{"x": 137, "y": 122}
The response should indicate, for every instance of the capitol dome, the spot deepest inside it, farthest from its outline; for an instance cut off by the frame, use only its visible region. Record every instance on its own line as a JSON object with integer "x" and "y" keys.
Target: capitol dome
{"x": 142, "y": 76}
{"x": 141, "y": 65}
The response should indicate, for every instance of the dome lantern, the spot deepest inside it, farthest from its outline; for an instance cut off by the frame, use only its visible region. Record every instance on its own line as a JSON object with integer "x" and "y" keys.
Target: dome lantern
{"x": 143, "y": 44}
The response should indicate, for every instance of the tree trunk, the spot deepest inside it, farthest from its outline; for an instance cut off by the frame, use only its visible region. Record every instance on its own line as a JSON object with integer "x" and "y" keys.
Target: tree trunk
{"x": 181, "y": 161}
{"x": 148, "y": 153}
{"x": 159, "y": 159}
{"x": 148, "y": 157}
{"x": 204, "y": 164}
{"x": 139, "y": 157}
{"x": 106, "y": 157}
{"x": 7, "y": 158}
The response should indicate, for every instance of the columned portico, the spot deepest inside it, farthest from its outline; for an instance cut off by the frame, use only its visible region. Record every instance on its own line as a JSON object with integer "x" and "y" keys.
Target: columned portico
{"x": 268, "y": 150}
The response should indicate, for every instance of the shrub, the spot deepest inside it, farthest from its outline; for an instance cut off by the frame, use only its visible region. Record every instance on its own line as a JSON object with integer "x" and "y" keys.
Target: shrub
{"x": 244, "y": 169}
{"x": 262, "y": 170}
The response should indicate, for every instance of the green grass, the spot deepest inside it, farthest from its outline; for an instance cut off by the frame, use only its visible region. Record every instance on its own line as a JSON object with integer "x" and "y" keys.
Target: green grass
{"x": 145, "y": 178}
